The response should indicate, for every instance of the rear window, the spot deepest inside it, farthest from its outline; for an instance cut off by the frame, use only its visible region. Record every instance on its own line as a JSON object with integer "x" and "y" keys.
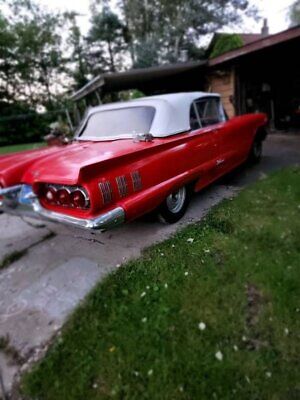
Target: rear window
{"x": 119, "y": 122}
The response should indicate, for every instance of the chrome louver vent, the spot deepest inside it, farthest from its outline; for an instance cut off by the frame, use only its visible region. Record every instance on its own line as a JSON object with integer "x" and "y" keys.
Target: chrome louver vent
{"x": 122, "y": 185}
{"x": 136, "y": 181}
{"x": 106, "y": 192}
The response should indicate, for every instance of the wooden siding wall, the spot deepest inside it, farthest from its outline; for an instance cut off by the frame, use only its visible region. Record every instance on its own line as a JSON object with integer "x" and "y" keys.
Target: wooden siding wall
{"x": 223, "y": 82}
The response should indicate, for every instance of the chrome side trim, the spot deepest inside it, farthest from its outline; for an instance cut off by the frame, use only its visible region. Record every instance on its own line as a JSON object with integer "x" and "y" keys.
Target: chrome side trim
{"x": 220, "y": 162}
{"x": 136, "y": 180}
{"x": 106, "y": 192}
{"x": 10, "y": 190}
{"x": 122, "y": 185}
{"x": 10, "y": 197}
{"x": 20, "y": 200}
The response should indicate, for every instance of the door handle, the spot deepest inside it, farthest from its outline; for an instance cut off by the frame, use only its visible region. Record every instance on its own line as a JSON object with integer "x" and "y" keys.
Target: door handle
{"x": 219, "y": 162}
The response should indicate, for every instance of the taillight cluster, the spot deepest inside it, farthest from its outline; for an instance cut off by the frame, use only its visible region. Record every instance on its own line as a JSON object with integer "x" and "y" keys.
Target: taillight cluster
{"x": 66, "y": 196}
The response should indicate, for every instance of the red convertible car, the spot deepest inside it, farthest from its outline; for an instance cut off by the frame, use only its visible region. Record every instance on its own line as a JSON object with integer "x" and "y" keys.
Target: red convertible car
{"x": 130, "y": 158}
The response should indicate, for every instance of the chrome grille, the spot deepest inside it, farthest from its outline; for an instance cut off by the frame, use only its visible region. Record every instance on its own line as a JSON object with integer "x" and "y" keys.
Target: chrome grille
{"x": 122, "y": 185}
{"x": 106, "y": 192}
{"x": 136, "y": 181}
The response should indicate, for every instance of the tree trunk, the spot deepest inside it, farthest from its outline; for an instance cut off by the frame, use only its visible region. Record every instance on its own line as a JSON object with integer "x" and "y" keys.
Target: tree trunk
{"x": 111, "y": 56}
{"x": 130, "y": 40}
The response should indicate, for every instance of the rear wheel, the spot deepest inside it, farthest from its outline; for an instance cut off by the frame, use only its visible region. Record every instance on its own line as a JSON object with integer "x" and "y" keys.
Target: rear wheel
{"x": 174, "y": 206}
{"x": 256, "y": 151}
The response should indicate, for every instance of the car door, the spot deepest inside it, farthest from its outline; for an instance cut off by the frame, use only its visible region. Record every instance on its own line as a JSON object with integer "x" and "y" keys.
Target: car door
{"x": 229, "y": 136}
{"x": 213, "y": 120}
{"x": 205, "y": 144}
{"x": 231, "y": 140}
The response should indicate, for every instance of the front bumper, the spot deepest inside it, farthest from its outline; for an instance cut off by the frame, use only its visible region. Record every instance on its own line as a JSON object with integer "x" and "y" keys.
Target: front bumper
{"x": 20, "y": 200}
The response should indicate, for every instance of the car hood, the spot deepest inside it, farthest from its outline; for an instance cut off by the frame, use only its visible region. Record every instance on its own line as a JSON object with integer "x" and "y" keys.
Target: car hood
{"x": 64, "y": 165}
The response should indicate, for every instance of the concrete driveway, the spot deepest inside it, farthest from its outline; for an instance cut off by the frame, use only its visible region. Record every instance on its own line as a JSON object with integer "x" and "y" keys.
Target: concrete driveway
{"x": 50, "y": 268}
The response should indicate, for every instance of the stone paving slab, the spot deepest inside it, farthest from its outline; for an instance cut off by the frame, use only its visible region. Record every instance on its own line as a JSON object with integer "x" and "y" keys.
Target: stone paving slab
{"x": 17, "y": 234}
{"x": 27, "y": 314}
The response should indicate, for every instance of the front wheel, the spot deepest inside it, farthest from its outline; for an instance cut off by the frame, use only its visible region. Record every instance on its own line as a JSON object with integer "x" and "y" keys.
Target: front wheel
{"x": 256, "y": 151}
{"x": 174, "y": 206}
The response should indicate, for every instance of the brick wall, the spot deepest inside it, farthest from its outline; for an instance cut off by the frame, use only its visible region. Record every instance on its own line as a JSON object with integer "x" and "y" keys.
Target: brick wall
{"x": 222, "y": 82}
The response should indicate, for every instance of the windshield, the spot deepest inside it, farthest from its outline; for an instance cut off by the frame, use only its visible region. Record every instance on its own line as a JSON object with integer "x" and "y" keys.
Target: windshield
{"x": 117, "y": 123}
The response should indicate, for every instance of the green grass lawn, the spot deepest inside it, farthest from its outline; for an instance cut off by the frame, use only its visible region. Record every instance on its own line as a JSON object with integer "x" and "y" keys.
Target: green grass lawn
{"x": 20, "y": 147}
{"x": 213, "y": 312}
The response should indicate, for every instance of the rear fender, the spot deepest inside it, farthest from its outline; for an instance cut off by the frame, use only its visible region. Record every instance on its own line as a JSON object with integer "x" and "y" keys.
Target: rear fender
{"x": 261, "y": 129}
{"x": 151, "y": 198}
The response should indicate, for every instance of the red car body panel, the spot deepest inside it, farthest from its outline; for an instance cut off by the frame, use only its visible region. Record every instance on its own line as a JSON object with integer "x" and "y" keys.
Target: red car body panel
{"x": 163, "y": 165}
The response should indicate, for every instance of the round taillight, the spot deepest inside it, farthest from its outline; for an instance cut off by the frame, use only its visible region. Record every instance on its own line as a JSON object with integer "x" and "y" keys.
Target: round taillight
{"x": 51, "y": 195}
{"x": 79, "y": 199}
{"x": 63, "y": 197}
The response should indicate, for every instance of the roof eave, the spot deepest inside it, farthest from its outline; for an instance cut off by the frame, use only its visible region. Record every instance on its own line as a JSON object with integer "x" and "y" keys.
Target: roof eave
{"x": 264, "y": 43}
{"x": 131, "y": 77}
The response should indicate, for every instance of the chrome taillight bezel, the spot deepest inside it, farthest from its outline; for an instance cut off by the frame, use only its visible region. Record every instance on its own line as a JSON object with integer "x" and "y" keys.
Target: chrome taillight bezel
{"x": 69, "y": 193}
{"x": 70, "y": 190}
{"x": 86, "y": 197}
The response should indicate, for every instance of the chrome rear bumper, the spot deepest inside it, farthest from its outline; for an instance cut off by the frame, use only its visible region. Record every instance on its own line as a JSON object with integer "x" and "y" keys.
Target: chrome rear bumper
{"x": 20, "y": 200}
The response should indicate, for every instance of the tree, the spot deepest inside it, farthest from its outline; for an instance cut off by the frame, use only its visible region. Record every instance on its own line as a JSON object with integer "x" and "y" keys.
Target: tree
{"x": 294, "y": 13}
{"x": 225, "y": 42}
{"x": 146, "y": 54}
{"x": 7, "y": 45}
{"x": 169, "y": 27}
{"x": 79, "y": 68}
{"x": 20, "y": 123}
{"x": 106, "y": 36}
{"x": 33, "y": 69}
{"x": 32, "y": 61}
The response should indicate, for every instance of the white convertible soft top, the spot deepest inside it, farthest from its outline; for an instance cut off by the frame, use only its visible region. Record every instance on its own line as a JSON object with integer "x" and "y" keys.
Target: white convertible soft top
{"x": 172, "y": 111}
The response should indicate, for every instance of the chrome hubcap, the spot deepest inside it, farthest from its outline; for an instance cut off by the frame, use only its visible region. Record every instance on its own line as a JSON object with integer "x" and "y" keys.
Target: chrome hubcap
{"x": 175, "y": 201}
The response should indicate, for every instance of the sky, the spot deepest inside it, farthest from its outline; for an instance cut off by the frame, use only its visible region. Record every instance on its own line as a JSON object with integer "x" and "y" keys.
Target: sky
{"x": 274, "y": 10}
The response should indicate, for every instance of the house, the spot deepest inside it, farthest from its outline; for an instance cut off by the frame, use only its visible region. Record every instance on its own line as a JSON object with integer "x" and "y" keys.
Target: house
{"x": 223, "y": 81}
{"x": 263, "y": 75}
{"x": 261, "y": 72}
